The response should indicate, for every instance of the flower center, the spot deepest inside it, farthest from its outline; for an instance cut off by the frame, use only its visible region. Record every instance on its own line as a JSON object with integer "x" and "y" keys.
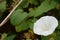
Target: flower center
{"x": 46, "y": 26}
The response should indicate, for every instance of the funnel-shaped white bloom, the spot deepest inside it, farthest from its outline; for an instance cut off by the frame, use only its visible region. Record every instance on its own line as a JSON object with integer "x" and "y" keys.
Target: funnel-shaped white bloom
{"x": 45, "y": 25}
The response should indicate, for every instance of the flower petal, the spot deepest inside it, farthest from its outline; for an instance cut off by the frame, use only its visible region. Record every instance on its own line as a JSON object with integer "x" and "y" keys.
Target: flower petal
{"x": 45, "y": 25}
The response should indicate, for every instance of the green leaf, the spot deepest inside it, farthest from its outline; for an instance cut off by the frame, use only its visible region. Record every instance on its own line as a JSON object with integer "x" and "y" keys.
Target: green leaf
{"x": 11, "y": 37}
{"x": 45, "y": 38}
{"x": 33, "y": 2}
{"x": 58, "y": 1}
{"x": 24, "y": 4}
{"x": 58, "y": 25}
{"x": 31, "y": 23}
{"x": 44, "y": 7}
{"x": 57, "y": 34}
{"x": 2, "y": 9}
{"x": 2, "y": 6}
{"x": 18, "y": 16}
{"x": 50, "y": 37}
{"x": 23, "y": 26}
{"x": 3, "y": 36}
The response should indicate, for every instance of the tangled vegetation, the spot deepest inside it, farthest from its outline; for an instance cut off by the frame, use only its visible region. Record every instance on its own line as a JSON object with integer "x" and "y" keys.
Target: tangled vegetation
{"x": 19, "y": 25}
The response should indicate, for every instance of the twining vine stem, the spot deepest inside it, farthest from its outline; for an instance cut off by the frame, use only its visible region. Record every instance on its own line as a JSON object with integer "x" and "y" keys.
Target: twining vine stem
{"x": 7, "y": 18}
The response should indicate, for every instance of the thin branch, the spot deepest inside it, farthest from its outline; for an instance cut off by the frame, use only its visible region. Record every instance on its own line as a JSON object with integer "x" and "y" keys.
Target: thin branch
{"x": 7, "y": 18}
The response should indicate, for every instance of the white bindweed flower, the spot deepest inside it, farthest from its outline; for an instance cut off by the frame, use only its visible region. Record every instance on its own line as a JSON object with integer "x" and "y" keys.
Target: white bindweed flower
{"x": 45, "y": 25}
